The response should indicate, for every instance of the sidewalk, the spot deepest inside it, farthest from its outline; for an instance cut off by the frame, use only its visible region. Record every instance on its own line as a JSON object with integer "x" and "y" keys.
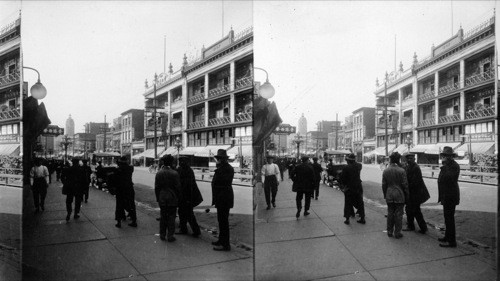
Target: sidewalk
{"x": 321, "y": 247}
{"x": 92, "y": 248}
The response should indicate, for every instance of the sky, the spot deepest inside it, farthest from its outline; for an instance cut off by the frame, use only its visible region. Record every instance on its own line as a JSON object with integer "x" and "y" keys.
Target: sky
{"x": 94, "y": 56}
{"x": 323, "y": 57}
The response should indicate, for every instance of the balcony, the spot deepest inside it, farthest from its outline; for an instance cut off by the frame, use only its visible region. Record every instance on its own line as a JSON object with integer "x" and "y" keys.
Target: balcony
{"x": 407, "y": 123}
{"x": 242, "y": 117}
{"x": 196, "y": 124}
{"x": 426, "y": 96}
{"x": 243, "y": 82}
{"x": 196, "y": 98}
{"x": 427, "y": 122}
{"x": 10, "y": 78}
{"x": 176, "y": 125}
{"x": 218, "y": 91}
{"x": 408, "y": 101}
{"x": 449, "y": 118}
{"x": 448, "y": 88}
{"x": 480, "y": 78}
{"x": 219, "y": 121}
{"x": 480, "y": 113}
{"x": 10, "y": 114}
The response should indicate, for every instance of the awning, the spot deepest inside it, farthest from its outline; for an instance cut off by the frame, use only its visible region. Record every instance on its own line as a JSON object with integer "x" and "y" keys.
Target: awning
{"x": 246, "y": 150}
{"x": 437, "y": 148}
{"x": 401, "y": 149}
{"x": 191, "y": 150}
{"x": 478, "y": 147}
{"x": 10, "y": 149}
{"x": 337, "y": 152}
{"x": 211, "y": 150}
{"x": 171, "y": 150}
{"x": 150, "y": 153}
{"x": 107, "y": 154}
{"x": 138, "y": 156}
{"x": 421, "y": 148}
{"x": 381, "y": 150}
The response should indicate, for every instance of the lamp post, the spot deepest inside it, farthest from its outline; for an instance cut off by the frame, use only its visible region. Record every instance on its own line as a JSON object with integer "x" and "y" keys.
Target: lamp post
{"x": 38, "y": 91}
{"x": 65, "y": 143}
{"x": 178, "y": 145}
{"x": 266, "y": 90}
{"x": 409, "y": 142}
{"x": 298, "y": 141}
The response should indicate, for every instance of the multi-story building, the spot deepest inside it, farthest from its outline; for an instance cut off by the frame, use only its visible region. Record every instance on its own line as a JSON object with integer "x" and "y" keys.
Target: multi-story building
{"x": 83, "y": 144}
{"x": 100, "y": 142}
{"x": 363, "y": 128}
{"x": 207, "y": 104}
{"x": 132, "y": 129}
{"x": 117, "y": 135}
{"x": 316, "y": 141}
{"x": 11, "y": 88}
{"x": 444, "y": 99}
{"x": 326, "y": 126}
{"x": 302, "y": 127}
{"x": 70, "y": 127}
{"x": 94, "y": 128}
{"x": 348, "y": 132}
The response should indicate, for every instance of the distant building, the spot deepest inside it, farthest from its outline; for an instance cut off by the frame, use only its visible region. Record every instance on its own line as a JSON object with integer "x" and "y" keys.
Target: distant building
{"x": 302, "y": 127}
{"x": 363, "y": 128}
{"x": 132, "y": 129}
{"x": 95, "y": 128}
{"x": 70, "y": 127}
{"x": 327, "y": 126}
{"x": 84, "y": 144}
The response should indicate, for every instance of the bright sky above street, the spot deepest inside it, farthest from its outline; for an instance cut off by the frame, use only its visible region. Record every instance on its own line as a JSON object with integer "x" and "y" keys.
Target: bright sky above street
{"x": 324, "y": 57}
{"x": 94, "y": 56}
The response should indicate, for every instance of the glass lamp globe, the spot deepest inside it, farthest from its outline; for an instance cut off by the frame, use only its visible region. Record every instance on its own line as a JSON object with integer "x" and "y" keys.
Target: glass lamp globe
{"x": 38, "y": 91}
{"x": 266, "y": 90}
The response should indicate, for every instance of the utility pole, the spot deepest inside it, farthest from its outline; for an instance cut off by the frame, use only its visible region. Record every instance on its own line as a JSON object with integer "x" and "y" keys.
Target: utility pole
{"x": 336, "y": 130}
{"x": 385, "y": 117}
{"x": 154, "y": 118}
{"x": 105, "y": 129}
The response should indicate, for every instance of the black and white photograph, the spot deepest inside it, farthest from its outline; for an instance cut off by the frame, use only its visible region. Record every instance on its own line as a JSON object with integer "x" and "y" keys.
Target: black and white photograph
{"x": 248, "y": 140}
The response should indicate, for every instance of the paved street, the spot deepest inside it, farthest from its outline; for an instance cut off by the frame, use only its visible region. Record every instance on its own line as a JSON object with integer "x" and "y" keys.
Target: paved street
{"x": 321, "y": 247}
{"x": 92, "y": 248}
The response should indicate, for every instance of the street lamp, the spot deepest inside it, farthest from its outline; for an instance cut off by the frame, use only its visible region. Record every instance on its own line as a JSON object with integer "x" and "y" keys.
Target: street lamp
{"x": 178, "y": 145}
{"x": 38, "y": 91}
{"x": 65, "y": 143}
{"x": 266, "y": 90}
{"x": 298, "y": 141}
{"x": 409, "y": 142}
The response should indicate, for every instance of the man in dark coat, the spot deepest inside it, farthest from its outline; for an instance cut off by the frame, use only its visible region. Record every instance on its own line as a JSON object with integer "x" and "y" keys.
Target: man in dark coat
{"x": 303, "y": 184}
{"x": 88, "y": 172}
{"x": 223, "y": 198}
{"x": 449, "y": 194}
{"x": 418, "y": 195}
{"x": 350, "y": 181}
{"x": 99, "y": 171}
{"x": 291, "y": 167}
{"x": 168, "y": 192}
{"x": 317, "y": 176}
{"x": 191, "y": 197}
{"x": 73, "y": 179}
{"x": 125, "y": 194}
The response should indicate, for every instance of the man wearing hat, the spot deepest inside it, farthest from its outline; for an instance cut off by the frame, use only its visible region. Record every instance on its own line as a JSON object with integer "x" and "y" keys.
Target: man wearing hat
{"x": 303, "y": 184}
{"x": 317, "y": 176}
{"x": 270, "y": 172}
{"x": 449, "y": 194}
{"x": 125, "y": 194}
{"x": 73, "y": 179}
{"x": 168, "y": 192}
{"x": 191, "y": 197}
{"x": 418, "y": 195}
{"x": 350, "y": 179}
{"x": 223, "y": 198}
{"x": 395, "y": 189}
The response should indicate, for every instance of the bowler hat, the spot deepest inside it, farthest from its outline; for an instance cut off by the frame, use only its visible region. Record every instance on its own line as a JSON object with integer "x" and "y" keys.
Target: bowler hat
{"x": 350, "y": 157}
{"x": 448, "y": 151}
{"x": 221, "y": 153}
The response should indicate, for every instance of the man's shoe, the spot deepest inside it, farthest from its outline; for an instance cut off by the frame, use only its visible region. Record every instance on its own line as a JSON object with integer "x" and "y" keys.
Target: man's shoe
{"x": 316, "y": 198}
{"x": 222, "y": 248}
{"x": 171, "y": 239}
{"x": 43, "y": 208}
{"x": 398, "y": 235}
{"x": 408, "y": 229}
{"x": 442, "y": 239}
{"x": 423, "y": 231}
{"x": 68, "y": 217}
{"x": 306, "y": 213}
{"x": 162, "y": 238}
{"x": 448, "y": 245}
{"x": 37, "y": 210}
{"x": 389, "y": 234}
{"x": 274, "y": 205}
{"x": 158, "y": 219}
{"x": 196, "y": 234}
{"x": 118, "y": 224}
{"x": 346, "y": 221}
{"x": 216, "y": 243}
{"x": 76, "y": 216}
{"x": 297, "y": 215}
{"x": 133, "y": 224}
{"x": 362, "y": 221}
{"x": 268, "y": 207}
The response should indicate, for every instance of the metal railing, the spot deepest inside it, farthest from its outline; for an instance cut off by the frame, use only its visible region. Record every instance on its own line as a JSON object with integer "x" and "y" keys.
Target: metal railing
{"x": 10, "y": 114}
{"x": 196, "y": 124}
{"x": 478, "y": 28}
{"x": 478, "y": 113}
{"x": 196, "y": 98}
{"x": 246, "y": 116}
{"x": 218, "y": 91}
{"x": 11, "y": 177}
{"x": 427, "y": 122}
{"x": 426, "y": 96}
{"x": 449, "y": 88}
{"x": 449, "y": 118}
{"x": 243, "y": 82}
{"x": 219, "y": 121}
{"x": 243, "y": 33}
{"x": 479, "y": 78}
{"x": 10, "y": 78}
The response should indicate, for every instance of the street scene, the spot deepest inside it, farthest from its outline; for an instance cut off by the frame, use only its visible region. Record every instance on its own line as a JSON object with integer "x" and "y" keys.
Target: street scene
{"x": 382, "y": 114}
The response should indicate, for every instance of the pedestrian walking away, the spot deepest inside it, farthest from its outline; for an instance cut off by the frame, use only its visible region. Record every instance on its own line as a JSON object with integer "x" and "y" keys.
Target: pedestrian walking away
{"x": 350, "y": 181}
{"x": 270, "y": 172}
{"x": 73, "y": 179}
{"x": 291, "y": 167}
{"x": 395, "y": 189}
{"x": 39, "y": 177}
{"x": 303, "y": 184}
{"x": 121, "y": 182}
{"x": 167, "y": 191}
{"x": 222, "y": 198}
{"x": 190, "y": 198}
{"x": 88, "y": 173}
{"x": 317, "y": 176}
{"x": 418, "y": 195}
{"x": 59, "y": 167}
{"x": 449, "y": 194}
